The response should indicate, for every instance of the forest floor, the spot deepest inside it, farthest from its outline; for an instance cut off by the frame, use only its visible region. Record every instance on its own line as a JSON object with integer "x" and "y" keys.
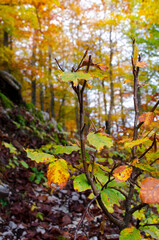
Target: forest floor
{"x": 30, "y": 210}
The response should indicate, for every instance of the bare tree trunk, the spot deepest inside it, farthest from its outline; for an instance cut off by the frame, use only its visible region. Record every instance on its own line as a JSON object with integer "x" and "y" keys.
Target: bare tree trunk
{"x": 99, "y": 109}
{"x": 111, "y": 82}
{"x": 52, "y": 101}
{"x": 105, "y": 106}
{"x": 77, "y": 115}
{"x": 33, "y": 95}
{"x": 41, "y": 97}
{"x": 61, "y": 109}
{"x": 122, "y": 107}
{"x": 139, "y": 100}
{"x": 33, "y": 79}
{"x": 5, "y": 39}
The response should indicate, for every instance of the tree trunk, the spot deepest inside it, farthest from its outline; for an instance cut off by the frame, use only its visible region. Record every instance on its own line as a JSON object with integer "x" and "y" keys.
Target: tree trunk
{"x": 122, "y": 107}
{"x": 52, "y": 101}
{"x": 139, "y": 100}
{"x": 111, "y": 82}
{"x": 33, "y": 61}
{"x": 61, "y": 109}
{"x": 5, "y": 39}
{"x": 105, "y": 106}
{"x": 33, "y": 95}
{"x": 41, "y": 97}
{"x": 77, "y": 115}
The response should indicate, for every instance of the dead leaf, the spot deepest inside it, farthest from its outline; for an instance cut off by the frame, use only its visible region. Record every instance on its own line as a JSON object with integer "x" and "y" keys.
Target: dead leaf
{"x": 141, "y": 64}
{"x": 149, "y": 192}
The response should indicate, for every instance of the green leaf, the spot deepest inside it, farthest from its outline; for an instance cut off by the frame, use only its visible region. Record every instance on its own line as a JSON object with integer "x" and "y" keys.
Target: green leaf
{"x": 39, "y": 156}
{"x": 151, "y": 230}
{"x": 59, "y": 149}
{"x": 10, "y": 146}
{"x": 99, "y": 74}
{"x": 130, "y": 233}
{"x": 80, "y": 183}
{"x": 24, "y": 164}
{"x": 74, "y": 77}
{"x": 40, "y": 216}
{"x": 99, "y": 140}
{"x": 100, "y": 174}
{"x": 110, "y": 197}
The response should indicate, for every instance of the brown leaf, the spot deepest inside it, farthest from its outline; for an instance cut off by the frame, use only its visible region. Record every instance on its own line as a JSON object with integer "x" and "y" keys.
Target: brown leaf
{"x": 149, "y": 192}
{"x": 101, "y": 66}
{"x": 147, "y": 118}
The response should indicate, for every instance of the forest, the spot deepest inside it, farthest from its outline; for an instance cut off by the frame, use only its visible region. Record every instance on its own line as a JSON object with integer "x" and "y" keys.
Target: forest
{"x": 79, "y": 119}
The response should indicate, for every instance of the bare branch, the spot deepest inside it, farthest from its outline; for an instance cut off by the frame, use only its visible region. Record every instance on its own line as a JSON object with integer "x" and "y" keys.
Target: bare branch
{"x": 85, "y": 54}
{"x": 148, "y": 148}
{"x": 83, "y": 217}
{"x": 140, "y": 206}
{"x": 59, "y": 65}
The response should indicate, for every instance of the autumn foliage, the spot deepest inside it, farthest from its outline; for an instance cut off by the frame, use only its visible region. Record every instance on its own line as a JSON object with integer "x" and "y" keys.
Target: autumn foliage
{"x": 73, "y": 63}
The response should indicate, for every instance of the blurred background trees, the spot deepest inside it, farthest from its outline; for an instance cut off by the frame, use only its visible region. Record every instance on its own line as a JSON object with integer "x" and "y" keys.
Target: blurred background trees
{"x": 34, "y": 33}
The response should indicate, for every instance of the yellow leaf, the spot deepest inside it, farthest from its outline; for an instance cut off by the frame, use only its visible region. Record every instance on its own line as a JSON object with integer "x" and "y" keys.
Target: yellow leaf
{"x": 128, "y": 81}
{"x": 58, "y": 174}
{"x": 135, "y": 55}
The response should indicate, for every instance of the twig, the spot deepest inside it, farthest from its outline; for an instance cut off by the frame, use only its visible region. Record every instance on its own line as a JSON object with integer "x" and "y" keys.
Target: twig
{"x": 148, "y": 148}
{"x": 59, "y": 65}
{"x": 152, "y": 110}
{"x": 119, "y": 190}
{"x": 89, "y": 63}
{"x": 134, "y": 209}
{"x": 154, "y": 161}
{"x": 135, "y": 73}
{"x": 83, "y": 217}
{"x": 150, "y": 224}
{"x": 94, "y": 157}
{"x": 85, "y": 54}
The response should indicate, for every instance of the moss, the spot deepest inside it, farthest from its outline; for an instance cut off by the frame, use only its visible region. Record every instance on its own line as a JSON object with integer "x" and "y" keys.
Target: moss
{"x": 30, "y": 107}
{"x": 59, "y": 127}
{"x": 39, "y": 115}
{"x": 6, "y": 103}
{"x": 20, "y": 120}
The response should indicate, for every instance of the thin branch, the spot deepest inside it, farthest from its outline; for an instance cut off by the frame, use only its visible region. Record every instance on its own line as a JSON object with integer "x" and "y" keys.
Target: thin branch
{"x": 152, "y": 110}
{"x": 59, "y": 65}
{"x": 95, "y": 129}
{"x": 85, "y": 54}
{"x": 119, "y": 190}
{"x": 83, "y": 217}
{"x": 154, "y": 161}
{"x": 148, "y": 148}
{"x": 89, "y": 63}
{"x": 140, "y": 206}
{"x": 150, "y": 224}
{"x": 94, "y": 157}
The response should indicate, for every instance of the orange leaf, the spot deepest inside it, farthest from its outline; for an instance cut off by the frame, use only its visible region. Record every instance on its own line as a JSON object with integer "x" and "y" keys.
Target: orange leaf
{"x": 135, "y": 161}
{"x": 122, "y": 173}
{"x": 141, "y": 64}
{"x": 149, "y": 192}
{"x": 147, "y": 118}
